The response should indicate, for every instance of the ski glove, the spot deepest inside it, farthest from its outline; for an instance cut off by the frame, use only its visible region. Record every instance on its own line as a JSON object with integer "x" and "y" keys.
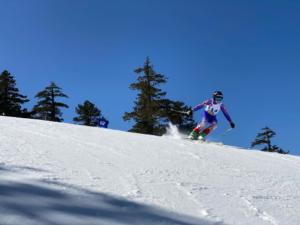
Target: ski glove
{"x": 232, "y": 124}
{"x": 189, "y": 112}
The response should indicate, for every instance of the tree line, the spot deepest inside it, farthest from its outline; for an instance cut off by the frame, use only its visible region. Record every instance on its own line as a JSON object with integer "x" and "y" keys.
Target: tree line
{"x": 151, "y": 113}
{"x": 48, "y": 106}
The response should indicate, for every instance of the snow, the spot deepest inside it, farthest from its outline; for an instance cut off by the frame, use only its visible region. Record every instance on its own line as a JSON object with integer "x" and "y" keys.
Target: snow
{"x": 63, "y": 174}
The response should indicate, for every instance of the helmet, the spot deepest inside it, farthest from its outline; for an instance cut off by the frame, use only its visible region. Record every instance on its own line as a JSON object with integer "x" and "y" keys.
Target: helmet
{"x": 218, "y": 96}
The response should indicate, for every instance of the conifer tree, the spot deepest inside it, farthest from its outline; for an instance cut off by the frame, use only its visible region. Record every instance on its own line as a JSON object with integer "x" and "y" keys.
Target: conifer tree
{"x": 47, "y": 107}
{"x": 88, "y": 114}
{"x": 264, "y": 138}
{"x": 147, "y": 109}
{"x": 11, "y": 100}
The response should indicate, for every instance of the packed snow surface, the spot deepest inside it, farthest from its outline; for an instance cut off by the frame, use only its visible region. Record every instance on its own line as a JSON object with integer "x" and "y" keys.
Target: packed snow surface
{"x": 62, "y": 174}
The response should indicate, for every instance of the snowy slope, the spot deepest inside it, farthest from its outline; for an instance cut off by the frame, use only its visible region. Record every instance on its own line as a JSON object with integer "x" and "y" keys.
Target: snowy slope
{"x": 54, "y": 173}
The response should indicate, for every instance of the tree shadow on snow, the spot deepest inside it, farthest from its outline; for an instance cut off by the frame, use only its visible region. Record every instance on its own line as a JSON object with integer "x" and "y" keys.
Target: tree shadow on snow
{"x": 45, "y": 202}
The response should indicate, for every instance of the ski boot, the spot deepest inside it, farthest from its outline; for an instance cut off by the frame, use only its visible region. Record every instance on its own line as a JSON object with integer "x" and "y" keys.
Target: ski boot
{"x": 194, "y": 135}
{"x": 202, "y": 137}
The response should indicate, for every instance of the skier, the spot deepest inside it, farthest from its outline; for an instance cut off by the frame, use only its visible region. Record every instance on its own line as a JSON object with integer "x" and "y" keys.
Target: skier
{"x": 211, "y": 109}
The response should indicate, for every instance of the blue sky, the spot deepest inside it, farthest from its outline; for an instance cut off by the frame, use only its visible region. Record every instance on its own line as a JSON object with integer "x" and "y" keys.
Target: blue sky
{"x": 248, "y": 49}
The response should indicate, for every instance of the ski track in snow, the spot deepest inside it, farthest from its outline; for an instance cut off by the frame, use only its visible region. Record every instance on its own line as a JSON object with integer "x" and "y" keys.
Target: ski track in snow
{"x": 257, "y": 212}
{"x": 203, "y": 211}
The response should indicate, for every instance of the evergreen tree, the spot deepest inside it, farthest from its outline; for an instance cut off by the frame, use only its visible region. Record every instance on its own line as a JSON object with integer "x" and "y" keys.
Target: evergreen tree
{"x": 147, "y": 110}
{"x": 88, "y": 114}
{"x": 47, "y": 107}
{"x": 174, "y": 113}
{"x": 10, "y": 99}
{"x": 264, "y": 138}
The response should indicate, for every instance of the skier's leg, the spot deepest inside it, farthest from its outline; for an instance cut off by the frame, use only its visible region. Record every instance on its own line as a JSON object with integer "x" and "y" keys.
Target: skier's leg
{"x": 200, "y": 126}
{"x": 212, "y": 120}
{"x": 208, "y": 130}
{"x": 196, "y": 131}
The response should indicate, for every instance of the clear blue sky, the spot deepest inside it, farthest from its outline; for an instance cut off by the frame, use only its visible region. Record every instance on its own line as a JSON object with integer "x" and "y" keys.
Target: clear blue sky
{"x": 248, "y": 49}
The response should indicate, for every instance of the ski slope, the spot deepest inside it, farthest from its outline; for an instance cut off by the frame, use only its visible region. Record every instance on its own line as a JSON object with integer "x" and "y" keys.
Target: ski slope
{"x": 63, "y": 174}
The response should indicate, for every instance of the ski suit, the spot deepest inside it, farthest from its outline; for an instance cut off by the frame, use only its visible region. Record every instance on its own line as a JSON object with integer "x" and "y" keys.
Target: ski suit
{"x": 211, "y": 109}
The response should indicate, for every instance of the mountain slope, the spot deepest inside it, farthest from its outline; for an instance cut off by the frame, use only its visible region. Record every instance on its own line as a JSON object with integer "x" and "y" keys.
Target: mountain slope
{"x": 55, "y": 173}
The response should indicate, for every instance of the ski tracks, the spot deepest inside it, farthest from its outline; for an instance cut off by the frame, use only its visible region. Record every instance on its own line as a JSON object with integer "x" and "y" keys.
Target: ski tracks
{"x": 258, "y": 212}
{"x": 191, "y": 190}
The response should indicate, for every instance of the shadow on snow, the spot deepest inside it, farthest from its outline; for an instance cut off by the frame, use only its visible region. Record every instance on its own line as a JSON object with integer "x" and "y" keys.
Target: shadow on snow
{"x": 45, "y": 202}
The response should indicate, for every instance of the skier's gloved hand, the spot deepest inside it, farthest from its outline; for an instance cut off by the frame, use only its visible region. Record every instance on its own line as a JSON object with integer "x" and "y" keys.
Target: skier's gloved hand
{"x": 232, "y": 124}
{"x": 189, "y": 112}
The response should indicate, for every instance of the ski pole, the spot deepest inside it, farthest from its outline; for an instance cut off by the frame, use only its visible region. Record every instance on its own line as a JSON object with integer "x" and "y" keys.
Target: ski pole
{"x": 178, "y": 111}
{"x": 226, "y": 131}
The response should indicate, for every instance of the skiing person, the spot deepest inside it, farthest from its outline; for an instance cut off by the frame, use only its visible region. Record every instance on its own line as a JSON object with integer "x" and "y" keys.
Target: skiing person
{"x": 211, "y": 108}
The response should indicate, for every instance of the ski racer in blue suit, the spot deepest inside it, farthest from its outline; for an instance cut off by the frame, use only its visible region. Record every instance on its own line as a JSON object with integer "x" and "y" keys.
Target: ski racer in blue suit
{"x": 211, "y": 108}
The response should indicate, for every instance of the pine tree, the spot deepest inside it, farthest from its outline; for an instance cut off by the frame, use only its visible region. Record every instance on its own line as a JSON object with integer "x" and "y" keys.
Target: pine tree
{"x": 147, "y": 110}
{"x": 11, "y": 100}
{"x": 47, "y": 107}
{"x": 264, "y": 138}
{"x": 88, "y": 114}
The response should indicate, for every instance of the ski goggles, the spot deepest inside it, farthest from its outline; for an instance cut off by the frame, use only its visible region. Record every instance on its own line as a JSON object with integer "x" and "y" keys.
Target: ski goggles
{"x": 218, "y": 99}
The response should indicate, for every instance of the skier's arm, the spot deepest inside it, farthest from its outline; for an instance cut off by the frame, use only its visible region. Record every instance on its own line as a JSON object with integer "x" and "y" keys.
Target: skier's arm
{"x": 226, "y": 114}
{"x": 200, "y": 106}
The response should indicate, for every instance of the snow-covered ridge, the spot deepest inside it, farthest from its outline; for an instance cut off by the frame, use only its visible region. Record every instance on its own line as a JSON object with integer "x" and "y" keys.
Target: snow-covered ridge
{"x": 55, "y": 173}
